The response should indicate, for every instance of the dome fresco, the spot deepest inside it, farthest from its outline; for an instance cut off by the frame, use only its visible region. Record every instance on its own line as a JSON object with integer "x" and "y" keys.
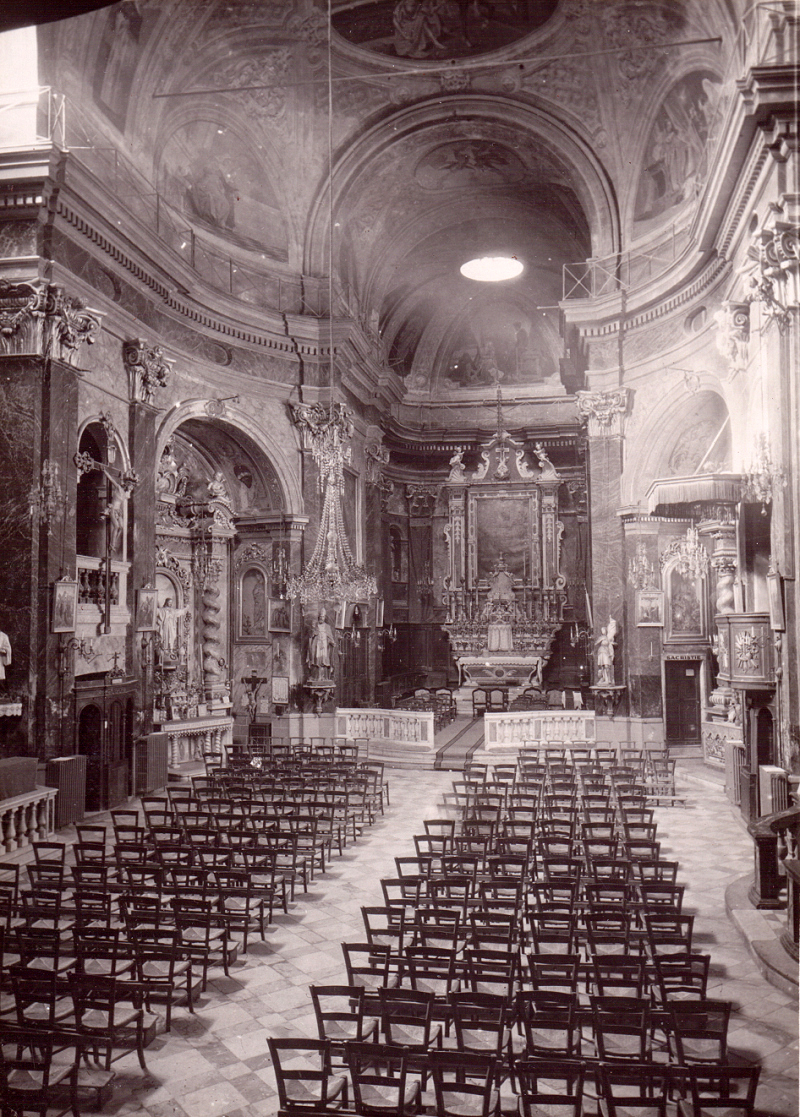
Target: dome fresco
{"x": 436, "y": 29}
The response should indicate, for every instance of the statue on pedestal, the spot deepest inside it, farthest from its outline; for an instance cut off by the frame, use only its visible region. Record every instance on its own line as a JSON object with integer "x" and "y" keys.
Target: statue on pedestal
{"x": 319, "y": 655}
{"x": 605, "y": 653}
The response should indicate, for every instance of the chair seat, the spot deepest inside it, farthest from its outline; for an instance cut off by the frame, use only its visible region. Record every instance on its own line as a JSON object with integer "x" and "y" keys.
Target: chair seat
{"x": 302, "y": 1092}
{"x": 471, "y": 1105}
{"x": 95, "y": 1019}
{"x": 107, "y": 967}
{"x": 385, "y": 1097}
{"x": 203, "y": 934}
{"x": 41, "y": 1013}
{"x": 154, "y": 968}
{"x": 33, "y": 1080}
{"x": 49, "y": 962}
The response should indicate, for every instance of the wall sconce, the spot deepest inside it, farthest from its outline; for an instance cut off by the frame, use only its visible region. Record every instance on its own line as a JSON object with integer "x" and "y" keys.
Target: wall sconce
{"x": 83, "y": 646}
{"x": 44, "y": 499}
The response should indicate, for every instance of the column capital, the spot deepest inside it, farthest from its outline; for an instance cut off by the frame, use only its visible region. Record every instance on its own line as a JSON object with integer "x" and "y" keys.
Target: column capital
{"x": 605, "y": 412}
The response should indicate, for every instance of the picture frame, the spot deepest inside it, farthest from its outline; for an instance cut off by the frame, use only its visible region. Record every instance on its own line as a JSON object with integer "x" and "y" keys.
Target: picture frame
{"x": 777, "y": 619}
{"x": 340, "y": 619}
{"x": 280, "y": 690}
{"x": 146, "y": 609}
{"x": 65, "y": 605}
{"x": 280, "y": 616}
{"x": 650, "y": 608}
{"x": 253, "y": 605}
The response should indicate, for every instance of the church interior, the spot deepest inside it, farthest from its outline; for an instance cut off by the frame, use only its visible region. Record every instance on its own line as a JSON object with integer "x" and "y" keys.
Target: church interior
{"x": 301, "y": 460}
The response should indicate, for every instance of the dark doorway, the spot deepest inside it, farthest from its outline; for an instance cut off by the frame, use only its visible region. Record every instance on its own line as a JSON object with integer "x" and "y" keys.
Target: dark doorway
{"x": 764, "y": 737}
{"x": 90, "y": 745}
{"x": 682, "y": 701}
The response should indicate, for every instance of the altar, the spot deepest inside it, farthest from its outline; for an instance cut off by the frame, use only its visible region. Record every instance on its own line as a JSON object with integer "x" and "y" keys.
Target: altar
{"x": 505, "y": 592}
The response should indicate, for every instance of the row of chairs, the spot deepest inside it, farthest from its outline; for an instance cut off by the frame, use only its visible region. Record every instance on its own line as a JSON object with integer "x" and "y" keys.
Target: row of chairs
{"x": 532, "y": 956}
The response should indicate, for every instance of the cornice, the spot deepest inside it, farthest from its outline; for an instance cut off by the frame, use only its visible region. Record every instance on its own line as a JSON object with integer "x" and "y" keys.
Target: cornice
{"x": 82, "y": 201}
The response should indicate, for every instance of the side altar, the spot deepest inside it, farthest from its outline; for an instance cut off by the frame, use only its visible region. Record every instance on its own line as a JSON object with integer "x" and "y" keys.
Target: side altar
{"x": 505, "y": 593}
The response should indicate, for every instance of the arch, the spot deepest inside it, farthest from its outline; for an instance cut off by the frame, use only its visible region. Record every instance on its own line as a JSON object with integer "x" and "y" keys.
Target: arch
{"x": 655, "y": 442}
{"x": 286, "y": 470}
{"x": 566, "y": 148}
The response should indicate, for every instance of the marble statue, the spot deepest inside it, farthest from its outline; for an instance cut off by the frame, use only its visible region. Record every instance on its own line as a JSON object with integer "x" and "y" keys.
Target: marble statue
{"x": 320, "y": 647}
{"x": 605, "y": 653}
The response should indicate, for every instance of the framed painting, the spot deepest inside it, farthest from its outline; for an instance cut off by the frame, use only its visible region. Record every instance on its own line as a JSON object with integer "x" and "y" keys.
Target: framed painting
{"x": 65, "y": 605}
{"x": 146, "y": 603}
{"x": 340, "y": 619}
{"x": 280, "y": 616}
{"x": 650, "y": 608}
{"x": 777, "y": 620}
{"x": 253, "y": 605}
{"x": 280, "y": 690}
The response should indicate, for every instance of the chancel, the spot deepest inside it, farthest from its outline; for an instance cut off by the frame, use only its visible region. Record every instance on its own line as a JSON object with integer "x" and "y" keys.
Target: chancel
{"x": 402, "y": 394}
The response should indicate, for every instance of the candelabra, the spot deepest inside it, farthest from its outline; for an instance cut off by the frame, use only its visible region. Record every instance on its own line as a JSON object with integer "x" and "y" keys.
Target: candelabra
{"x": 45, "y": 499}
{"x": 764, "y": 475}
{"x": 640, "y": 569}
{"x": 83, "y": 646}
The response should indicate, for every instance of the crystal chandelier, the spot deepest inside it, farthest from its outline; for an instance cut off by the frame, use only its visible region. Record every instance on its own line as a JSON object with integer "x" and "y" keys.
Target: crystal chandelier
{"x": 691, "y": 555}
{"x": 764, "y": 475}
{"x": 640, "y": 568}
{"x": 331, "y": 573}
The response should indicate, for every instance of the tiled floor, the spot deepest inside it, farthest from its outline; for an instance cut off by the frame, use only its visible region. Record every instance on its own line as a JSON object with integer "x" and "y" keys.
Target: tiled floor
{"x": 215, "y": 1064}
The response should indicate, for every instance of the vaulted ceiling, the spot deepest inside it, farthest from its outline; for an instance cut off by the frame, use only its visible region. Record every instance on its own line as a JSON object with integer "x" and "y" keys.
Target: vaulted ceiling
{"x": 399, "y": 139}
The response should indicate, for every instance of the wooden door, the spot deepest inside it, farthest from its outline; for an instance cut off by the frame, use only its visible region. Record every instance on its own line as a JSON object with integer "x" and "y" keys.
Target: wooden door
{"x": 682, "y": 700}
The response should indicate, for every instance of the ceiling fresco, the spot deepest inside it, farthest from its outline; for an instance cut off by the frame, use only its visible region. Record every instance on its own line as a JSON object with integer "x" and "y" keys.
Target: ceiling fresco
{"x": 676, "y": 156}
{"x": 208, "y": 172}
{"x": 432, "y": 29}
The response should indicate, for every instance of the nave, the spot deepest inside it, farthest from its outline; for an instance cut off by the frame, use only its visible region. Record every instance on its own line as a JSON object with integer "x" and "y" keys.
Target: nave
{"x": 216, "y": 1063}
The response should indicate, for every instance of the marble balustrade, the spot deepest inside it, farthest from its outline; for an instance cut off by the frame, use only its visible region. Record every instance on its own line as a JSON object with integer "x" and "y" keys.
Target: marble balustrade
{"x": 539, "y": 727}
{"x": 27, "y": 818}
{"x": 190, "y": 740}
{"x": 404, "y": 738}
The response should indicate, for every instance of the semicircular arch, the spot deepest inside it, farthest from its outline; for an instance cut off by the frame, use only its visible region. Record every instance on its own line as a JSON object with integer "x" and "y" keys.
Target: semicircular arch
{"x": 420, "y": 124}
{"x": 237, "y": 420}
{"x": 655, "y": 450}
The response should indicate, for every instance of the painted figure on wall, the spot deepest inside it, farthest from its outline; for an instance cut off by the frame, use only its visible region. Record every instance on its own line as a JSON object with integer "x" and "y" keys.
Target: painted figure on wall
{"x": 675, "y": 161}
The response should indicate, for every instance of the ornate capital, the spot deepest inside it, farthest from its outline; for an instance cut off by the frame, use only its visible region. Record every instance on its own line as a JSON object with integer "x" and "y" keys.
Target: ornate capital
{"x": 733, "y": 333}
{"x": 604, "y": 412}
{"x": 775, "y": 256}
{"x": 41, "y": 318}
{"x": 147, "y": 369}
{"x": 326, "y": 433}
{"x": 422, "y": 499}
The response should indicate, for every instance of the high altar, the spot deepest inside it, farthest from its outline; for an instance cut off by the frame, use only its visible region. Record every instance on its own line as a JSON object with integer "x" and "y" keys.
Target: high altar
{"x": 505, "y": 593}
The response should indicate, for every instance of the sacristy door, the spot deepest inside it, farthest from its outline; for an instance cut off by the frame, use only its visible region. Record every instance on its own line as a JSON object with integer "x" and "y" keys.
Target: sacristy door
{"x": 682, "y": 700}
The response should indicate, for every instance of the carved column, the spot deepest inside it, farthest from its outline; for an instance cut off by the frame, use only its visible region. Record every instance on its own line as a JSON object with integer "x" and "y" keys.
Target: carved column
{"x": 604, "y": 414}
{"x": 454, "y": 535}
{"x": 147, "y": 370}
{"x": 43, "y": 331}
{"x": 210, "y": 562}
